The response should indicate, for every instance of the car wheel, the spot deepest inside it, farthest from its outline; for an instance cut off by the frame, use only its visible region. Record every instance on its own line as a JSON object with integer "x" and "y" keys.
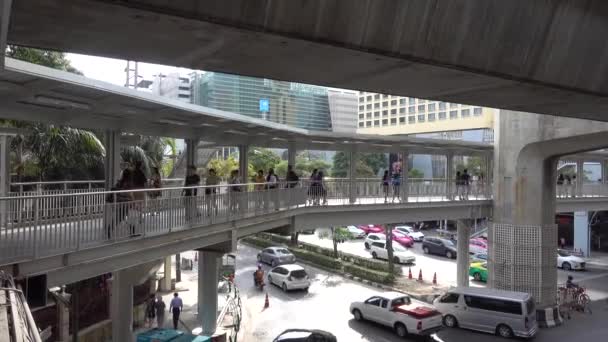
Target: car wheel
{"x": 425, "y": 250}
{"x": 374, "y": 255}
{"x": 566, "y": 266}
{"x": 366, "y": 245}
{"x": 448, "y": 254}
{"x": 400, "y": 329}
{"x": 358, "y": 315}
{"x": 273, "y": 263}
{"x": 269, "y": 279}
{"x": 450, "y": 321}
{"x": 477, "y": 276}
{"x": 504, "y": 331}
{"x": 396, "y": 260}
{"x": 284, "y": 287}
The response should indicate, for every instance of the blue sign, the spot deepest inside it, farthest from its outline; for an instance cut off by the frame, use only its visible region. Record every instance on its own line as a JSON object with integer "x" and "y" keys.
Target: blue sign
{"x": 264, "y": 105}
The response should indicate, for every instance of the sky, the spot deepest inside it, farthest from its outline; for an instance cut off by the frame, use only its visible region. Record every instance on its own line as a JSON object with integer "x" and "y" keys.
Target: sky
{"x": 113, "y": 70}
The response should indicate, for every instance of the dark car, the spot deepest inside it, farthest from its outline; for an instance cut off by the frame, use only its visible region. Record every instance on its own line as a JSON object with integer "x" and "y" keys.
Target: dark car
{"x": 439, "y": 246}
{"x": 303, "y": 335}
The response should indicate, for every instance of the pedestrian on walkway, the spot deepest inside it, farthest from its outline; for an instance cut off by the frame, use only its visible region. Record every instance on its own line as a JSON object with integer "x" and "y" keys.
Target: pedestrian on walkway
{"x": 234, "y": 191}
{"x": 190, "y": 195}
{"x": 139, "y": 182}
{"x": 260, "y": 181}
{"x": 156, "y": 183}
{"x": 150, "y": 311}
{"x": 466, "y": 182}
{"x": 560, "y": 185}
{"x": 568, "y": 185}
{"x": 323, "y": 190}
{"x": 272, "y": 184}
{"x": 160, "y": 312}
{"x": 211, "y": 183}
{"x": 118, "y": 205}
{"x": 313, "y": 187}
{"x": 459, "y": 187}
{"x": 385, "y": 182}
{"x": 292, "y": 178}
{"x": 396, "y": 181}
{"x": 175, "y": 307}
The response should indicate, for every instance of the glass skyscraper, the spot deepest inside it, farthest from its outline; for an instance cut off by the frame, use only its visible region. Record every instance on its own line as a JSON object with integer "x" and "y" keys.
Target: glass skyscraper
{"x": 295, "y": 104}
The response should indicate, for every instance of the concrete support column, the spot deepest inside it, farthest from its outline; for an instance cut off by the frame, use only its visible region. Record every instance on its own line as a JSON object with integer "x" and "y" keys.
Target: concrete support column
{"x": 121, "y": 306}
{"x": 165, "y": 283}
{"x": 5, "y": 175}
{"x": 112, "y": 162}
{"x": 352, "y": 176}
{"x": 603, "y": 171}
{"x": 405, "y": 182}
{"x": 582, "y": 234}
{"x": 63, "y": 322}
{"x": 191, "y": 152}
{"x": 450, "y": 184}
{"x": 580, "y": 178}
{"x": 208, "y": 277}
{"x": 291, "y": 155}
{"x": 462, "y": 257}
{"x": 487, "y": 180}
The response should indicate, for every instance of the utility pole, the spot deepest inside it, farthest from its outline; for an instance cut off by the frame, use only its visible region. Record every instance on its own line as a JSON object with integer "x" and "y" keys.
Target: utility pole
{"x": 132, "y": 75}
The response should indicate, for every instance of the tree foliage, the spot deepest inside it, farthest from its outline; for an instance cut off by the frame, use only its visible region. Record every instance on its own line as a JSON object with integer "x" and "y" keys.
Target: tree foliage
{"x": 337, "y": 235}
{"x": 263, "y": 159}
{"x": 341, "y": 165}
{"x": 51, "y": 59}
{"x": 474, "y": 165}
{"x": 223, "y": 167}
{"x": 415, "y": 173}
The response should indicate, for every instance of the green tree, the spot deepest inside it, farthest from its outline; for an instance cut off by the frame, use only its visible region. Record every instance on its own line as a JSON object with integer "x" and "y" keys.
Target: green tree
{"x": 337, "y": 235}
{"x": 263, "y": 159}
{"x": 376, "y": 161}
{"x": 415, "y": 173}
{"x": 341, "y": 165}
{"x": 223, "y": 167}
{"x": 474, "y": 165}
{"x": 51, "y": 59}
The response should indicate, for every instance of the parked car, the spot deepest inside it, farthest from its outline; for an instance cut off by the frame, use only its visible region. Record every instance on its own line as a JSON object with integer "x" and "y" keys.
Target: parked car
{"x": 371, "y": 228}
{"x": 400, "y": 255}
{"x": 440, "y": 246}
{"x": 305, "y": 335}
{"x": 373, "y": 237}
{"x": 412, "y": 232}
{"x": 479, "y": 257}
{"x": 276, "y": 256}
{"x": 500, "y": 312}
{"x": 479, "y": 271}
{"x": 399, "y": 312}
{"x": 568, "y": 262}
{"x": 356, "y": 233}
{"x": 403, "y": 239}
{"x": 289, "y": 277}
{"x": 477, "y": 245}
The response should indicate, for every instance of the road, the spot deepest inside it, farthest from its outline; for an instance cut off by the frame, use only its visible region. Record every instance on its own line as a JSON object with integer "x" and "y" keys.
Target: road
{"x": 326, "y": 305}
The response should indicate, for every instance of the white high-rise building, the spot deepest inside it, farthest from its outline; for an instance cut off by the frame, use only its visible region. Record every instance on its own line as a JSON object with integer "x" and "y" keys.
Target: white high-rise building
{"x": 172, "y": 86}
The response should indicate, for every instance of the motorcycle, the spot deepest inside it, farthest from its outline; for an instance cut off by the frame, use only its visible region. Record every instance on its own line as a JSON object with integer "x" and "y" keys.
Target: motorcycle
{"x": 259, "y": 284}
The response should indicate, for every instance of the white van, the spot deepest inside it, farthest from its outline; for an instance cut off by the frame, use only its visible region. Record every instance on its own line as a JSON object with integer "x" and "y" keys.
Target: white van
{"x": 505, "y": 313}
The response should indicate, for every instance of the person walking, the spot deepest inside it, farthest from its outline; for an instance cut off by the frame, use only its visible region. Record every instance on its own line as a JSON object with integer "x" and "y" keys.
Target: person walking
{"x": 156, "y": 183}
{"x": 150, "y": 311}
{"x": 560, "y": 185}
{"x": 313, "y": 187}
{"x": 235, "y": 190}
{"x": 139, "y": 182}
{"x": 396, "y": 181}
{"x": 459, "y": 185}
{"x": 272, "y": 184}
{"x": 260, "y": 187}
{"x": 211, "y": 183}
{"x": 192, "y": 179}
{"x": 567, "y": 185}
{"x": 292, "y": 178}
{"x": 160, "y": 312}
{"x": 323, "y": 191}
{"x": 386, "y": 179}
{"x": 466, "y": 182}
{"x": 175, "y": 307}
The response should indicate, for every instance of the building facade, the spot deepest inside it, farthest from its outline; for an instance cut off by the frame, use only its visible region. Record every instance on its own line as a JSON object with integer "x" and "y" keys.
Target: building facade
{"x": 295, "y": 104}
{"x": 343, "y": 109}
{"x": 173, "y": 86}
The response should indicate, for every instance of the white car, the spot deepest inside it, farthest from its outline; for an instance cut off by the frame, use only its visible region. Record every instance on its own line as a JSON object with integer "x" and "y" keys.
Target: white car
{"x": 356, "y": 232}
{"x": 411, "y": 232}
{"x": 400, "y": 312}
{"x": 373, "y": 237}
{"x": 400, "y": 254}
{"x": 289, "y": 277}
{"x": 569, "y": 262}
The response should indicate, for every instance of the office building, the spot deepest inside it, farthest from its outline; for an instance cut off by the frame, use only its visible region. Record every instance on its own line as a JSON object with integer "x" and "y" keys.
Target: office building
{"x": 173, "y": 86}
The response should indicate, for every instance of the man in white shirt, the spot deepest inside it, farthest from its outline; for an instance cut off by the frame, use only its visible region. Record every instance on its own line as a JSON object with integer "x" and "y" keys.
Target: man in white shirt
{"x": 176, "y": 307}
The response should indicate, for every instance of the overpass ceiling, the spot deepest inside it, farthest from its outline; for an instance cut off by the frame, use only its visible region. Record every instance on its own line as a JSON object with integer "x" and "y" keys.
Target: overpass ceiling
{"x": 35, "y": 93}
{"x": 547, "y": 57}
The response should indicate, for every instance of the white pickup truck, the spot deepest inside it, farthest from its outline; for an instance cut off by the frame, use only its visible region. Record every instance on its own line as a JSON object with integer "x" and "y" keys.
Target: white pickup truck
{"x": 400, "y": 312}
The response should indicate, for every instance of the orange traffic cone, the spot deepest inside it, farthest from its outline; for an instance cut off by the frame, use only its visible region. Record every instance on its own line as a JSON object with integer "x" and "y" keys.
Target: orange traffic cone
{"x": 266, "y": 302}
{"x": 435, "y": 278}
{"x": 409, "y": 274}
{"x": 420, "y": 275}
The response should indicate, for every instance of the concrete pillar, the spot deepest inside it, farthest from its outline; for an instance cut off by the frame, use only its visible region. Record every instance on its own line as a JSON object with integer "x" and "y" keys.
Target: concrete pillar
{"x": 580, "y": 177}
{"x": 5, "y": 175}
{"x": 405, "y": 183}
{"x": 291, "y": 155}
{"x": 462, "y": 257}
{"x": 208, "y": 277}
{"x": 191, "y": 152}
{"x": 450, "y": 184}
{"x": 112, "y": 161}
{"x": 165, "y": 283}
{"x": 582, "y": 234}
{"x": 352, "y": 176}
{"x": 603, "y": 171}
{"x": 121, "y": 306}
{"x": 63, "y": 322}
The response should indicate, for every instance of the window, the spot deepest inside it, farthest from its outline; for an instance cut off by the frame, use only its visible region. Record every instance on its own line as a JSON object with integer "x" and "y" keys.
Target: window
{"x": 411, "y": 101}
{"x": 442, "y": 116}
{"x": 376, "y": 114}
{"x": 453, "y": 114}
{"x": 376, "y": 97}
{"x": 368, "y": 115}
{"x": 368, "y": 124}
{"x": 493, "y": 304}
{"x": 431, "y": 117}
{"x": 369, "y": 97}
{"x": 421, "y": 118}
{"x": 375, "y": 301}
{"x": 378, "y": 244}
{"x": 477, "y": 111}
{"x": 384, "y": 122}
{"x": 449, "y": 298}
{"x": 393, "y": 111}
{"x": 431, "y": 107}
{"x": 402, "y": 110}
{"x": 361, "y": 124}
{"x": 421, "y": 108}
{"x": 465, "y": 113}
{"x": 361, "y": 107}
{"x": 269, "y": 251}
{"x": 411, "y": 110}
{"x": 385, "y": 96}
{"x": 384, "y": 104}
{"x": 421, "y": 101}
{"x": 376, "y": 105}
{"x": 441, "y": 105}
{"x": 361, "y": 98}
{"x": 401, "y": 301}
{"x": 376, "y": 123}
{"x": 384, "y": 303}
{"x": 384, "y": 112}
{"x": 453, "y": 105}
{"x": 411, "y": 119}
{"x": 402, "y": 120}
{"x": 393, "y": 102}
{"x": 393, "y": 121}
{"x": 369, "y": 106}
{"x": 361, "y": 116}
{"x": 402, "y": 101}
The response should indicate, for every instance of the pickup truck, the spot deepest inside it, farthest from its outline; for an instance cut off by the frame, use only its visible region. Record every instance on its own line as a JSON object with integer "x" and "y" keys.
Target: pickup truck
{"x": 399, "y": 312}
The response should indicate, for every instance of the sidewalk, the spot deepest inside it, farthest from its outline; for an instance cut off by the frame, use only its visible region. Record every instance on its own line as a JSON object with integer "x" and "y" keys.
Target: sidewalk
{"x": 598, "y": 259}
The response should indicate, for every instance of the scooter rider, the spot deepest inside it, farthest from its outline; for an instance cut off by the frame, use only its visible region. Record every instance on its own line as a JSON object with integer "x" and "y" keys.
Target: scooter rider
{"x": 258, "y": 276}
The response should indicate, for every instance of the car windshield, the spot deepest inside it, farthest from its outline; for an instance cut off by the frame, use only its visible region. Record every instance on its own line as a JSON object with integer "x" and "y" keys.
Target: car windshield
{"x": 447, "y": 243}
{"x": 283, "y": 251}
{"x": 399, "y": 235}
{"x": 398, "y": 248}
{"x": 563, "y": 253}
{"x": 299, "y": 274}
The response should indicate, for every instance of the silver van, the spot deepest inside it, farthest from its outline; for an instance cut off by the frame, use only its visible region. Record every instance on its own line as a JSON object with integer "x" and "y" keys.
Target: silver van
{"x": 504, "y": 313}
